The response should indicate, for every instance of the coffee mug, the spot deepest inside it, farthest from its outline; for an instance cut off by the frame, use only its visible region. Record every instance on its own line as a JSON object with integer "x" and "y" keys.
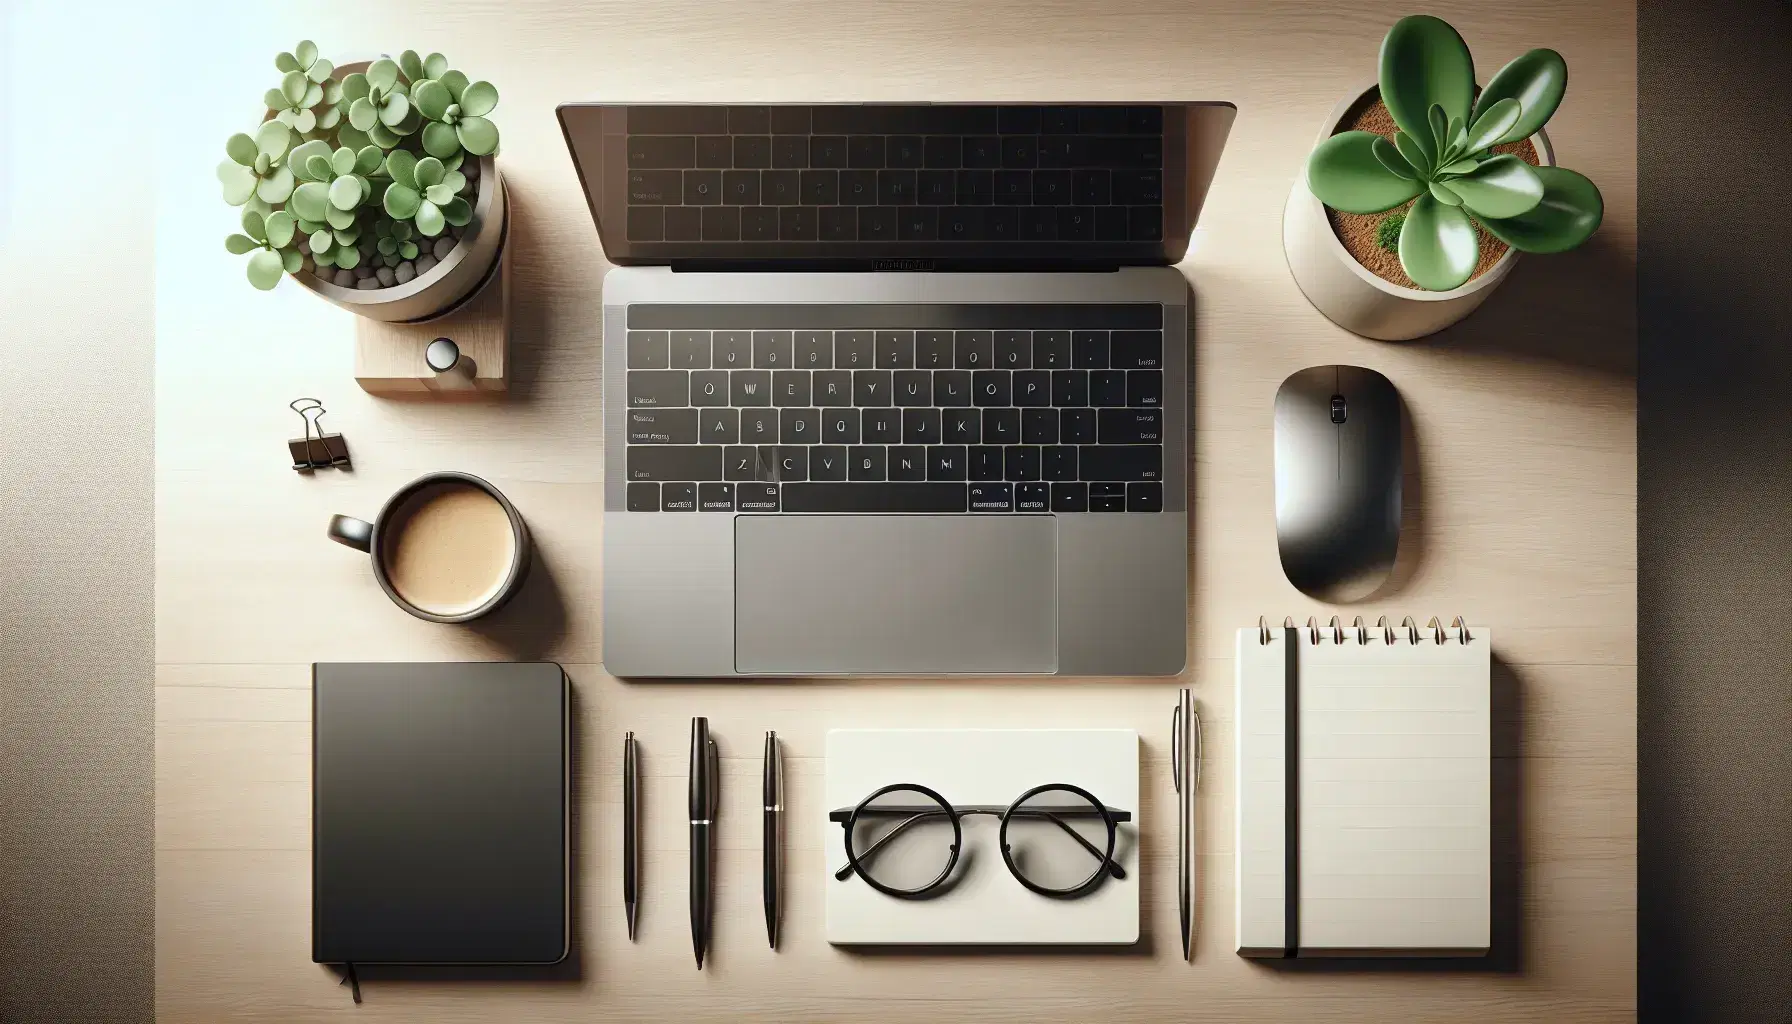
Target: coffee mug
{"x": 448, "y": 547}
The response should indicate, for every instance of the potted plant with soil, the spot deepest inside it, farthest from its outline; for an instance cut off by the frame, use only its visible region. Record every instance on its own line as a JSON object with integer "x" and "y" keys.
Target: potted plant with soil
{"x": 1423, "y": 188}
{"x": 372, "y": 184}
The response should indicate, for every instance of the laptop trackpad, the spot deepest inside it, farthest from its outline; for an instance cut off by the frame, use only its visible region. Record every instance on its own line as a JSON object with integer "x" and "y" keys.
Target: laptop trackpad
{"x": 895, "y": 594}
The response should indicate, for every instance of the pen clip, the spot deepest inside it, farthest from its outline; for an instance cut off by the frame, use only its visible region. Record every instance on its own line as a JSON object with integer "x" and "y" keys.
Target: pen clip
{"x": 715, "y": 778}
{"x": 1176, "y": 747}
{"x": 1200, "y": 744}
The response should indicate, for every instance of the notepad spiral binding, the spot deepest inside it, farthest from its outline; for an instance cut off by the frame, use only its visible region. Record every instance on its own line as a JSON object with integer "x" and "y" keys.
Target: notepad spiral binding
{"x": 1439, "y": 632}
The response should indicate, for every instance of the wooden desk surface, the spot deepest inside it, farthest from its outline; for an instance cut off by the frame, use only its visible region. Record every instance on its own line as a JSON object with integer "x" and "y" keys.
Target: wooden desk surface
{"x": 1523, "y": 517}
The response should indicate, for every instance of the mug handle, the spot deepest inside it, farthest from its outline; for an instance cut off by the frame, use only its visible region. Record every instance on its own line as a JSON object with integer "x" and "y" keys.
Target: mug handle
{"x": 355, "y": 533}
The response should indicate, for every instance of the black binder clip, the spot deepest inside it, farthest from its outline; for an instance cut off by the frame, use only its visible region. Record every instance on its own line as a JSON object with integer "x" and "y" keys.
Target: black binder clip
{"x": 316, "y": 450}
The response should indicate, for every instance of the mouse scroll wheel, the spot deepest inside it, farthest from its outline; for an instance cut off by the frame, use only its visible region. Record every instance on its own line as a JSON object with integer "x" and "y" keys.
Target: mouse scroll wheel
{"x": 1337, "y": 408}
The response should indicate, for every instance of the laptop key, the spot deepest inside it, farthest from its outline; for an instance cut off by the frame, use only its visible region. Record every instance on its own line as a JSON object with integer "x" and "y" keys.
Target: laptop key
{"x": 1136, "y": 350}
{"x": 865, "y": 151}
{"x": 662, "y": 426}
{"x": 647, "y": 350}
{"x": 933, "y": 350}
{"x": 853, "y": 350}
{"x": 756, "y": 497}
{"x": 674, "y": 462}
{"x": 702, "y": 188}
{"x": 690, "y": 350}
{"x": 1013, "y": 350}
{"x": 759, "y": 224}
{"x": 1031, "y": 497}
{"x": 1058, "y": 462}
{"x": 740, "y": 462}
{"x": 790, "y": 151}
{"x": 871, "y": 387}
{"x": 920, "y": 426}
{"x": 882, "y": 426}
{"x": 866, "y": 462}
{"x": 1146, "y": 223}
{"x": 961, "y": 426}
{"x": 935, "y": 188}
{"x": 1021, "y": 462}
{"x": 759, "y": 426}
{"x": 678, "y": 497}
{"x": 715, "y": 151}
{"x": 840, "y": 426}
{"x": 643, "y": 497}
{"x": 895, "y": 350}
{"x": 947, "y": 462}
{"x": 1001, "y": 426}
{"x": 658, "y": 387}
{"x": 662, "y": 151}
{"x": 790, "y": 388}
{"x": 796, "y": 223}
{"x": 1070, "y": 497}
{"x": 780, "y": 188}
{"x": 908, "y": 462}
{"x": 684, "y": 224}
{"x": 733, "y": 350}
{"x": 875, "y": 497}
{"x": 827, "y": 462}
{"x": 820, "y": 188}
{"x": 793, "y": 462}
{"x": 1107, "y": 497}
{"x": 827, "y": 151}
{"x": 992, "y": 497}
{"x": 877, "y": 223}
{"x": 799, "y": 426}
{"x": 1070, "y": 387}
{"x": 986, "y": 462}
{"x": 1039, "y": 426}
{"x": 1145, "y": 497}
{"x": 1033, "y": 388}
{"x": 918, "y": 224}
{"x": 839, "y": 224}
{"x": 719, "y": 426}
{"x": 992, "y": 387}
{"x": 913, "y": 387}
{"x": 646, "y": 224}
{"x": 1121, "y": 462}
{"x": 975, "y": 350}
{"x": 1144, "y": 387}
{"x": 720, "y": 223}
{"x": 942, "y": 151}
{"x": 1131, "y": 426}
{"x": 831, "y": 387}
{"x": 750, "y": 387}
{"x": 1107, "y": 387}
{"x": 1051, "y": 350}
{"x": 1076, "y": 426}
{"x": 952, "y": 388}
{"x": 740, "y": 188}
{"x": 814, "y": 350}
{"x": 715, "y": 497}
{"x": 655, "y": 188}
{"x": 753, "y": 151}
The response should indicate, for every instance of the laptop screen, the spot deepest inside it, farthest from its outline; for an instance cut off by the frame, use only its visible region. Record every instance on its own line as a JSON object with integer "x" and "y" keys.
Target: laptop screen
{"x": 896, "y": 186}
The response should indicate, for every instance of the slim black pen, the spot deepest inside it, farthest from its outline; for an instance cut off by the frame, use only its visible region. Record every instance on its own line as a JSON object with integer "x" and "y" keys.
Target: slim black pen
{"x": 772, "y": 844}
{"x": 703, "y": 810}
{"x": 1180, "y": 725}
{"x": 631, "y": 835}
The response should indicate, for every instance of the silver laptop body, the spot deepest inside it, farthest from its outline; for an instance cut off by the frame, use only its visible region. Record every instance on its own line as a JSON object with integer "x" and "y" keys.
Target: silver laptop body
{"x": 894, "y": 457}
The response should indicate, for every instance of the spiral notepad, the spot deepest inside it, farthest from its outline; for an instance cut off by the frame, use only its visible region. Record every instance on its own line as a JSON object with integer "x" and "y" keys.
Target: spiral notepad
{"x": 1364, "y": 795}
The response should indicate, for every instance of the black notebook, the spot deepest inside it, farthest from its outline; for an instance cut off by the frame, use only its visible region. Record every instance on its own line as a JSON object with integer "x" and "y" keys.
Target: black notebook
{"x": 439, "y": 813}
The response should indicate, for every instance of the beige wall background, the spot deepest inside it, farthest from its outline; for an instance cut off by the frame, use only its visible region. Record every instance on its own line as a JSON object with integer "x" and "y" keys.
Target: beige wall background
{"x": 1521, "y": 516}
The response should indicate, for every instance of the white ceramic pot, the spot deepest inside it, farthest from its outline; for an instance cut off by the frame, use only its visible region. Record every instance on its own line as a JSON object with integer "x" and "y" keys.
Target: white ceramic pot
{"x": 449, "y": 282}
{"x": 1345, "y": 291}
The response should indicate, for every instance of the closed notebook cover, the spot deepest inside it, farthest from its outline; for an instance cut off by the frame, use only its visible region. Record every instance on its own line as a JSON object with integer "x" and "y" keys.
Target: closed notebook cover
{"x": 439, "y": 813}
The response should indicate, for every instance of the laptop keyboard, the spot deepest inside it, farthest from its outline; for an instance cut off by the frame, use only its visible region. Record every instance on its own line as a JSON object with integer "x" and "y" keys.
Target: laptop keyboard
{"x": 1031, "y": 409}
{"x": 895, "y": 173}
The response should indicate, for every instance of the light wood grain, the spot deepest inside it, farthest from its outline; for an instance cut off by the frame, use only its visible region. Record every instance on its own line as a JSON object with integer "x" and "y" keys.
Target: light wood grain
{"x": 389, "y": 357}
{"x": 1521, "y": 515}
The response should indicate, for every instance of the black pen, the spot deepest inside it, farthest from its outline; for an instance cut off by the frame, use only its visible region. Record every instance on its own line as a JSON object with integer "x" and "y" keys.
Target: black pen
{"x": 773, "y": 843}
{"x": 1181, "y": 725}
{"x": 631, "y": 834}
{"x": 703, "y": 810}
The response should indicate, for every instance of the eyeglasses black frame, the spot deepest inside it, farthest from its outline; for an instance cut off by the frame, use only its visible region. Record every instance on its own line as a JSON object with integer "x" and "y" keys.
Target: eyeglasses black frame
{"x": 1111, "y": 818}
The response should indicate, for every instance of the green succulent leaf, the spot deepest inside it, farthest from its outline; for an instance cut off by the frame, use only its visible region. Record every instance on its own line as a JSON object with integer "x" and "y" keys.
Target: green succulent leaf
{"x": 345, "y": 192}
{"x": 362, "y": 114}
{"x": 478, "y": 99}
{"x": 239, "y": 182}
{"x": 1346, "y": 175}
{"x": 432, "y": 98}
{"x": 320, "y": 240}
{"x": 1438, "y": 124}
{"x": 265, "y": 268}
{"x": 429, "y": 171}
{"x": 356, "y": 87}
{"x": 348, "y": 235}
{"x": 328, "y": 117}
{"x": 408, "y": 250}
{"x": 429, "y": 219}
{"x": 255, "y": 225}
{"x": 279, "y": 227}
{"x": 477, "y": 135}
{"x": 324, "y": 259}
{"x": 292, "y": 260}
{"x": 1463, "y": 166}
{"x": 304, "y": 122}
{"x": 354, "y": 138}
{"x": 458, "y": 212}
{"x": 342, "y": 161}
{"x": 1425, "y": 63}
{"x": 455, "y": 81}
{"x": 382, "y": 136}
{"x": 455, "y": 180}
{"x": 239, "y": 244}
{"x": 435, "y": 66}
{"x": 1384, "y": 152}
{"x": 241, "y": 149}
{"x": 306, "y": 52}
{"x": 366, "y": 160}
{"x": 287, "y": 117}
{"x": 299, "y": 157}
{"x": 1537, "y": 81}
{"x": 286, "y": 62}
{"x": 401, "y": 167}
{"x": 439, "y": 140}
{"x": 320, "y": 71}
{"x": 1416, "y": 154}
{"x": 1492, "y": 124}
{"x": 382, "y": 74}
{"x": 1568, "y": 214}
{"x": 410, "y": 123}
{"x": 273, "y": 99}
{"x": 276, "y": 187}
{"x": 311, "y": 200}
{"x": 453, "y": 162}
{"x": 293, "y": 86}
{"x": 1504, "y": 186}
{"x": 439, "y": 194}
{"x": 386, "y": 246}
{"x": 332, "y": 91}
{"x": 273, "y": 139}
{"x": 317, "y": 167}
{"x": 256, "y": 204}
{"x": 1442, "y": 194}
{"x": 1438, "y": 245}
{"x": 402, "y": 200}
{"x": 393, "y": 111}
{"x": 348, "y": 257}
{"x": 314, "y": 94}
{"x": 411, "y": 65}
{"x": 336, "y": 217}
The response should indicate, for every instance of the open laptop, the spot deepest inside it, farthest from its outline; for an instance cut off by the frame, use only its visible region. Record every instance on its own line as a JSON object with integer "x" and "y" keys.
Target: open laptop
{"x": 895, "y": 388}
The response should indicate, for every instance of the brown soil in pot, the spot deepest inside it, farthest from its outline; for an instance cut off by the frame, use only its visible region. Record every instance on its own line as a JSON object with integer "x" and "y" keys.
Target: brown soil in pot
{"x": 1357, "y": 230}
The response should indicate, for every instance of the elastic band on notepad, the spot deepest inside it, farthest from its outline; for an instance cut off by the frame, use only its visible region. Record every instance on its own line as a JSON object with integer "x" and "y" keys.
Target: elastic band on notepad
{"x": 353, "y": 982}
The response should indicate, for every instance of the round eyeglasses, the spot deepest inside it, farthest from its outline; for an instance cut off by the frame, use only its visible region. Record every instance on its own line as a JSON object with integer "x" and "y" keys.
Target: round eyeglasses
{"x": 905, "y": 840}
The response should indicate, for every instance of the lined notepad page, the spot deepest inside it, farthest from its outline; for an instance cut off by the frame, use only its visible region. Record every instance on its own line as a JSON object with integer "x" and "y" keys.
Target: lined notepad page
{"x": 1392, "y": 796}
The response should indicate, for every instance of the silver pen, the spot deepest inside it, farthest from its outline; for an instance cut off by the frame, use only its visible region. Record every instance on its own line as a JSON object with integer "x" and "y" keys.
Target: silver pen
{"x": 1185, "y": 725}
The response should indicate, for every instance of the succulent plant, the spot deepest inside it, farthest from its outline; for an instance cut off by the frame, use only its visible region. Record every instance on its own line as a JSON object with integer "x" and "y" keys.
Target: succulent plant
{"x": 307, "y": 97}
{"x": 425, "y": 191}
{"x": 1443, "y": 155}
{"x": 340, "y": 171}
{"x": 269, "y": 241}
{"x": 255, "y": 169}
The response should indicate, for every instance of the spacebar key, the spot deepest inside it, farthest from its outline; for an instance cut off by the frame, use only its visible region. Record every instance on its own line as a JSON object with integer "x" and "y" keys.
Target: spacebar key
{"x": 864, "y": 497}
